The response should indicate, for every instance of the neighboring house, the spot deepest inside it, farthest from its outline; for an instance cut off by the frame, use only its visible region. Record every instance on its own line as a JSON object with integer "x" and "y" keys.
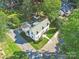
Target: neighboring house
{"x": 66, "y": 8}
{"x": 36, "y": 29}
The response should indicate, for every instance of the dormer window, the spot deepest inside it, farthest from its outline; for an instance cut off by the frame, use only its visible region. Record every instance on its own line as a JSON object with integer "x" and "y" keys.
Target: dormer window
{"x": 42, "y": 27}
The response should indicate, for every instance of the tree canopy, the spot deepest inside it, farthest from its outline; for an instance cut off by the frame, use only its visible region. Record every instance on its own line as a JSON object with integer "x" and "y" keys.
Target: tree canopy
{"x": 49, "y": 7}
{"x": 3, "y": 23}
{"x": 70, "y": 33}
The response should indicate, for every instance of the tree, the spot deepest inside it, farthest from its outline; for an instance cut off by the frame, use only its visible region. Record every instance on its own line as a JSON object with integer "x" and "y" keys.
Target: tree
{"x": 14, "y": 20}
{"x": 27, "y": 8}
{"x": 5, "y": 19}
{"x": 70, "y": 34}
{"x": 3, "y": 25}
{"x": 51, "y": 8}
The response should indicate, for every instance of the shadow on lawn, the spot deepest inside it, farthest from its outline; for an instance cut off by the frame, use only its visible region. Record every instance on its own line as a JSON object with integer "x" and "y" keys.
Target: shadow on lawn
{"x": 20, "y": 41}
{"x": 36, "y": 44}
{"x": 19, "y": 38}
{"x": 28, "y": 39}
{"x": 22, "y": 38}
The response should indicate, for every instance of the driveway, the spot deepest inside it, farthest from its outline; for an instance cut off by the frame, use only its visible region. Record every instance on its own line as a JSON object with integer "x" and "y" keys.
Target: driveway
{"x": 50, "y": 46}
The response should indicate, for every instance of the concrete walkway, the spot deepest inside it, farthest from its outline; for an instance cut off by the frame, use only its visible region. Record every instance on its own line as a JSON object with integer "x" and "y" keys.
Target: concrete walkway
{"x": 20, "y": 41}
{"x": 50, "y": 46}
{"x": 45, "y": 37}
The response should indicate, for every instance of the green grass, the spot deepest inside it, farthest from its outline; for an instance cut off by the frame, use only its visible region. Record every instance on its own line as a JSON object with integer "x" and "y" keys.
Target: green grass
{"x": 37, "y": 45}
{"x": 50, "y": 32}
{"x": 10, "y": 47}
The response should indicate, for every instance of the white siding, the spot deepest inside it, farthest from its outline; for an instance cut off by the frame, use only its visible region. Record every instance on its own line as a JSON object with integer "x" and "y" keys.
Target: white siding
{"x": 37, "y": 36}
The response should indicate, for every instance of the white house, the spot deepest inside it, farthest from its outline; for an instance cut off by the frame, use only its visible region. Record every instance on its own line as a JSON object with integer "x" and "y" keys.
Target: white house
{"x": 37, "y": 29}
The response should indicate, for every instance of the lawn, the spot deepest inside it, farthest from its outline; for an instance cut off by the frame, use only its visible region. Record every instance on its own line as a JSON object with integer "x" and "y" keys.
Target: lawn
{"x": 10, "y": 47}
{"x": 50, "y": 32}
{"x": 37, "y": 45}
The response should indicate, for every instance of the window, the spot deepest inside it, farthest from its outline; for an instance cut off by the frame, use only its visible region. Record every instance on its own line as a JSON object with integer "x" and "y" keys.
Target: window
{"x": 28, "y": 32}
{"x": 32, "y": 36}
{"x": 47, "y": 24}
{"x": 47, "y": 29}
{"x": 32, "y": 33}
{"x": 42, "y": 27}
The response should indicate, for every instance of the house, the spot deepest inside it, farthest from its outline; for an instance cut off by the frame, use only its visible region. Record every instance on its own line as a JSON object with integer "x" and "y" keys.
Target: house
{"x": 37, "y": 28}
{"x": 66, "y": 8}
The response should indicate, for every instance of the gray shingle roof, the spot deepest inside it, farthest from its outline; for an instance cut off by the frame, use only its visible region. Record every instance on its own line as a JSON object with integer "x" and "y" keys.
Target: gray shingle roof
{"x": 39, "y": 26}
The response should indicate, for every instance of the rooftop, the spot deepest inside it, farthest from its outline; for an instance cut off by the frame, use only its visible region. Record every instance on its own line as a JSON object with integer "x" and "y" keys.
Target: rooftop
{"x": 35, "y": 24}
{"x": 38, "y": 27}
